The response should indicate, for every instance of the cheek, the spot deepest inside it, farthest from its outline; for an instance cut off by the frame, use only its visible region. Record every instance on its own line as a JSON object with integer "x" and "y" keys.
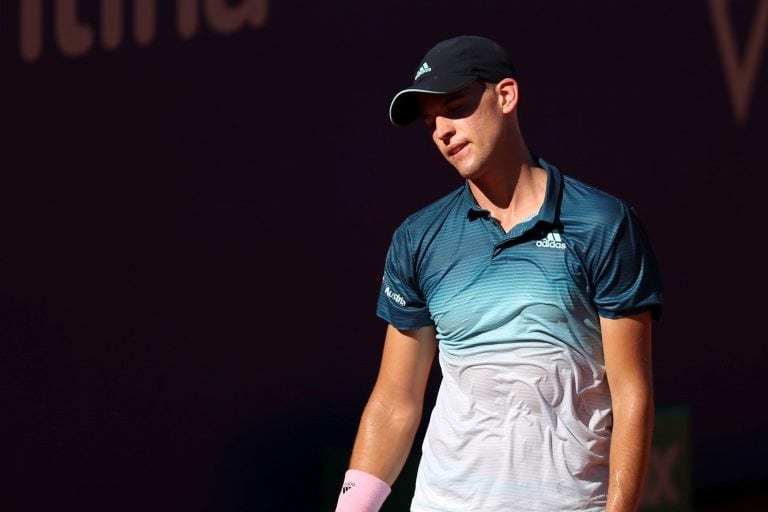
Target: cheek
{"x": 489, "y": 130}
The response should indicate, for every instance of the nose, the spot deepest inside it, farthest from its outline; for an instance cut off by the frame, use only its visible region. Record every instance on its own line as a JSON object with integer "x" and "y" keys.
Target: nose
{"x": 444, "y": 130}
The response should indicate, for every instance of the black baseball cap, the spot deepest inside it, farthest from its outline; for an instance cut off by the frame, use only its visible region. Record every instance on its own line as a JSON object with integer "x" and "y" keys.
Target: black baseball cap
{"x": 448, "y": 67}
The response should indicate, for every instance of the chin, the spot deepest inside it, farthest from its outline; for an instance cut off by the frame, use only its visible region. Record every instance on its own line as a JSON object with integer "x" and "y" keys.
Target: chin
{"x": 464, "y": 170}
{"x": 468, "y": 172}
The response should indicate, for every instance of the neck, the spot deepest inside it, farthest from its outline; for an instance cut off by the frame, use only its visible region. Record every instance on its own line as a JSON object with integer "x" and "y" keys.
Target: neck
{"x": 513, "y": 191}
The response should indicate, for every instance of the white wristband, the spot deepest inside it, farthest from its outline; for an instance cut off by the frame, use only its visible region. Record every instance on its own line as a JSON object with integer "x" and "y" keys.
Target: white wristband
{"x": 362, "y": 492}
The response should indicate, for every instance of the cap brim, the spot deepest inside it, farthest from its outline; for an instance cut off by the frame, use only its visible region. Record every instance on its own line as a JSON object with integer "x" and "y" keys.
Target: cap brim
{"x": 404, "y": 108}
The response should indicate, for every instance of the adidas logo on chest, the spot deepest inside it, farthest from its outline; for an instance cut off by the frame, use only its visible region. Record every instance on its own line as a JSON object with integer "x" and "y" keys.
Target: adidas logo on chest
{"x": 553, "y": 240}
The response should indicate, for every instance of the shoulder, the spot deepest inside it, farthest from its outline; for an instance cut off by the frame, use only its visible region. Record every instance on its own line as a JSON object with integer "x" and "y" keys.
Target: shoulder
{"x": 595, "y": 208}
{"x": 434, "y": 215}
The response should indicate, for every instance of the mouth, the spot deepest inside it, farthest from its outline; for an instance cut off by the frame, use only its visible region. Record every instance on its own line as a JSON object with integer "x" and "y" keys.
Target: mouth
{"x": 454, "y": 149}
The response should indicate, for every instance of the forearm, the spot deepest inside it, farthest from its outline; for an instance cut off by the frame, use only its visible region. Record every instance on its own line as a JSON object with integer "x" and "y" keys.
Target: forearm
{"x": 385, "y": 436}
{"x": 630, "y": 450}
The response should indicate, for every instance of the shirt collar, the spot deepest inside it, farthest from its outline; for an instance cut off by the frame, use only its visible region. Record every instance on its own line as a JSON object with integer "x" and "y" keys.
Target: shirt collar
{"x": 549, "y": 209}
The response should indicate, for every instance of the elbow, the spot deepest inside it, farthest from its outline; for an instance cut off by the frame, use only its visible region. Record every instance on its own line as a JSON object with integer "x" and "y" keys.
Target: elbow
{"x": 402, "y": 413}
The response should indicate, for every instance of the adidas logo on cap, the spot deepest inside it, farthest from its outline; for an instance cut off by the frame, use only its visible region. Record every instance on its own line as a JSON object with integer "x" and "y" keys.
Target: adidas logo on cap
{"x": 423, "y": 69}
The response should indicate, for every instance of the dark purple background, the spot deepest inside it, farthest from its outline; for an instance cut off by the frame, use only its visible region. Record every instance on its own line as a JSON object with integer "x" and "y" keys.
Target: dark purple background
{"x": 193, "y": 234}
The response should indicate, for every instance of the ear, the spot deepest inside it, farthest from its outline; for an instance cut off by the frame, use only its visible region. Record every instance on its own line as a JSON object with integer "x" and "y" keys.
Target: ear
{"x": 507, "y": 93}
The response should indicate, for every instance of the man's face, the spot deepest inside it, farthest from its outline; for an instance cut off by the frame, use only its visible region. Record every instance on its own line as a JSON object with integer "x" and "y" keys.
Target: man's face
{"x": 465, "y": 126}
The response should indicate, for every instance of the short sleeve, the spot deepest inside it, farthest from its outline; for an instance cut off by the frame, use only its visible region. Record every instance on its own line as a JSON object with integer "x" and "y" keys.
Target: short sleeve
{"x": 627, "y": 278}
{"x": 401, "y": 302}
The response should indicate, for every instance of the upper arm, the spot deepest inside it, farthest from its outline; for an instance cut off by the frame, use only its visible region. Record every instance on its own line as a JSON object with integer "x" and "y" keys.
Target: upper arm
{"x": 627, "y": 350}
{"x": 406, "y": 362}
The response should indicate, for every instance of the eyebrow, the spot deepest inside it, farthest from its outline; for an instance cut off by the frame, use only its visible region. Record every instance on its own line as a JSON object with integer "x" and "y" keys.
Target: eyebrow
{"x": 447, "y": 98}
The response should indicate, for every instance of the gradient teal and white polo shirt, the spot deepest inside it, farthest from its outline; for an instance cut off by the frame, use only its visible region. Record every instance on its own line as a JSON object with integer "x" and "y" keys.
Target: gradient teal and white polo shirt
{"x": 523, "y": 415}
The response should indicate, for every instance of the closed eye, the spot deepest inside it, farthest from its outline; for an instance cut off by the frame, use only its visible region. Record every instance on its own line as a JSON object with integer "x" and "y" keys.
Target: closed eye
{"x": 453, "y": 106}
